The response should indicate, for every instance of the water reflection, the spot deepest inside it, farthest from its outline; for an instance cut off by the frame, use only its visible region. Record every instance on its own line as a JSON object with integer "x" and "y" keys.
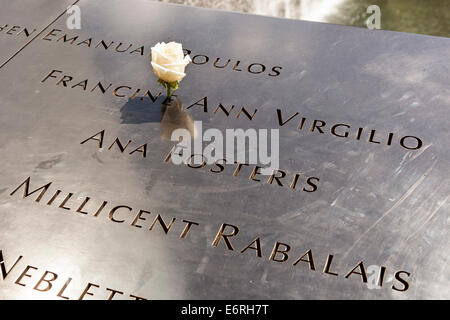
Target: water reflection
{"x": 430, "y": 17}
{"x": 175, "y": 117}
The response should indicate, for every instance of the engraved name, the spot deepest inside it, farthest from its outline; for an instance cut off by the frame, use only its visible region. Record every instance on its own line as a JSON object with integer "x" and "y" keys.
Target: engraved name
{"x": 13, "y": 30}
{"x": 281, "y": 119}
{"x": 279, "y": 177}
{"x": 316, "y": 126}
{"x": 280, "y": 252}
{"x": 256, "y": 68}
{"x": 117, "y": 90}
{"x": 42, "y": 280}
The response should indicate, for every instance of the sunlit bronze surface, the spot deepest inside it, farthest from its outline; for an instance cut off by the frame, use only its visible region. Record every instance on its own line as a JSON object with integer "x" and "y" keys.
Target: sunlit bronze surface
{"x": 379, "y": 203}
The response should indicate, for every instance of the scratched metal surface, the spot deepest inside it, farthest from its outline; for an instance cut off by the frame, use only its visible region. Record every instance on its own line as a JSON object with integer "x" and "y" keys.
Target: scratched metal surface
{"x": 27, "y": 14}
{"x": 384, "y": 205}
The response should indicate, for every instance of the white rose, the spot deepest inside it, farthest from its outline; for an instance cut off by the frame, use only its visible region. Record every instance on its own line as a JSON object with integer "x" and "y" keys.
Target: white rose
{"x": 168, "y": 61}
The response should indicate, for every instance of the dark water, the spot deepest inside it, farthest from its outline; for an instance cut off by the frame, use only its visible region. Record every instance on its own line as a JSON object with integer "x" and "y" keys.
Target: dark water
{"x": 431, "y": 17}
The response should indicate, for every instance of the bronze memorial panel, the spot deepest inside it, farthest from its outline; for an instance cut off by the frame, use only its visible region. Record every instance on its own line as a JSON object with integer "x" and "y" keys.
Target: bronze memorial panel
{"x": 92, "y": 206}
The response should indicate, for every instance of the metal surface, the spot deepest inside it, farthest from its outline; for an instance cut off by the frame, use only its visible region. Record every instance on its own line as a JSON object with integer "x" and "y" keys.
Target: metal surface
{"x": 22, "y": 20}
{"x": 381, "y": 204}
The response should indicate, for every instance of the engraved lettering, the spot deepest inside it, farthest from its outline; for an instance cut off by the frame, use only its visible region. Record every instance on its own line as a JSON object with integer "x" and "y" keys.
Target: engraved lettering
{"x": 86, "y": 290}
{"x": 221, "y": 235}
{"x": 159, "y": 219}
{"x": 113, "y": 211}
{"x": 362, "y": 272}
{"x": 3, "y": 268}
{"x": 257, "y": 247}
{"x": 276, "y": 250}
{"x": 99, "y": 139}
{"x": 139, "y": 217}
{"x": 187, "y": 228}
{"x": 51, "y": 34}
{"x": 403, "y": 281}
{"x": 26, "y": 192}
{"x": 309, "y": 260}
{"x": 24, "y": 274}
{"x": 49, "y": 285}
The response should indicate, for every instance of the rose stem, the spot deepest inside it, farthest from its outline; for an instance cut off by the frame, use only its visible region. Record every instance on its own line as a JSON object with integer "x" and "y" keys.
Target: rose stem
{"x": 169, "y": 90}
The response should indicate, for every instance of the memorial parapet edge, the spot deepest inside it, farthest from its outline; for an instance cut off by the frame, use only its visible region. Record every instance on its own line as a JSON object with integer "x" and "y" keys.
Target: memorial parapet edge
{"x": 91, "y": 206}
{"x": 21, "y": 21}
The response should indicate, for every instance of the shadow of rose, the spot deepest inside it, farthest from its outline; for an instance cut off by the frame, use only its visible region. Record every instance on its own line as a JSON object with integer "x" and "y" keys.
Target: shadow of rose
{"x": 170, "y": 114}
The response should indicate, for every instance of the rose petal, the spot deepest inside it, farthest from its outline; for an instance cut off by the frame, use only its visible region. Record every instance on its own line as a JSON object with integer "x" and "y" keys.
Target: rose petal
{"x": 168, "y": 61}
{"x": 167, "y": 74}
